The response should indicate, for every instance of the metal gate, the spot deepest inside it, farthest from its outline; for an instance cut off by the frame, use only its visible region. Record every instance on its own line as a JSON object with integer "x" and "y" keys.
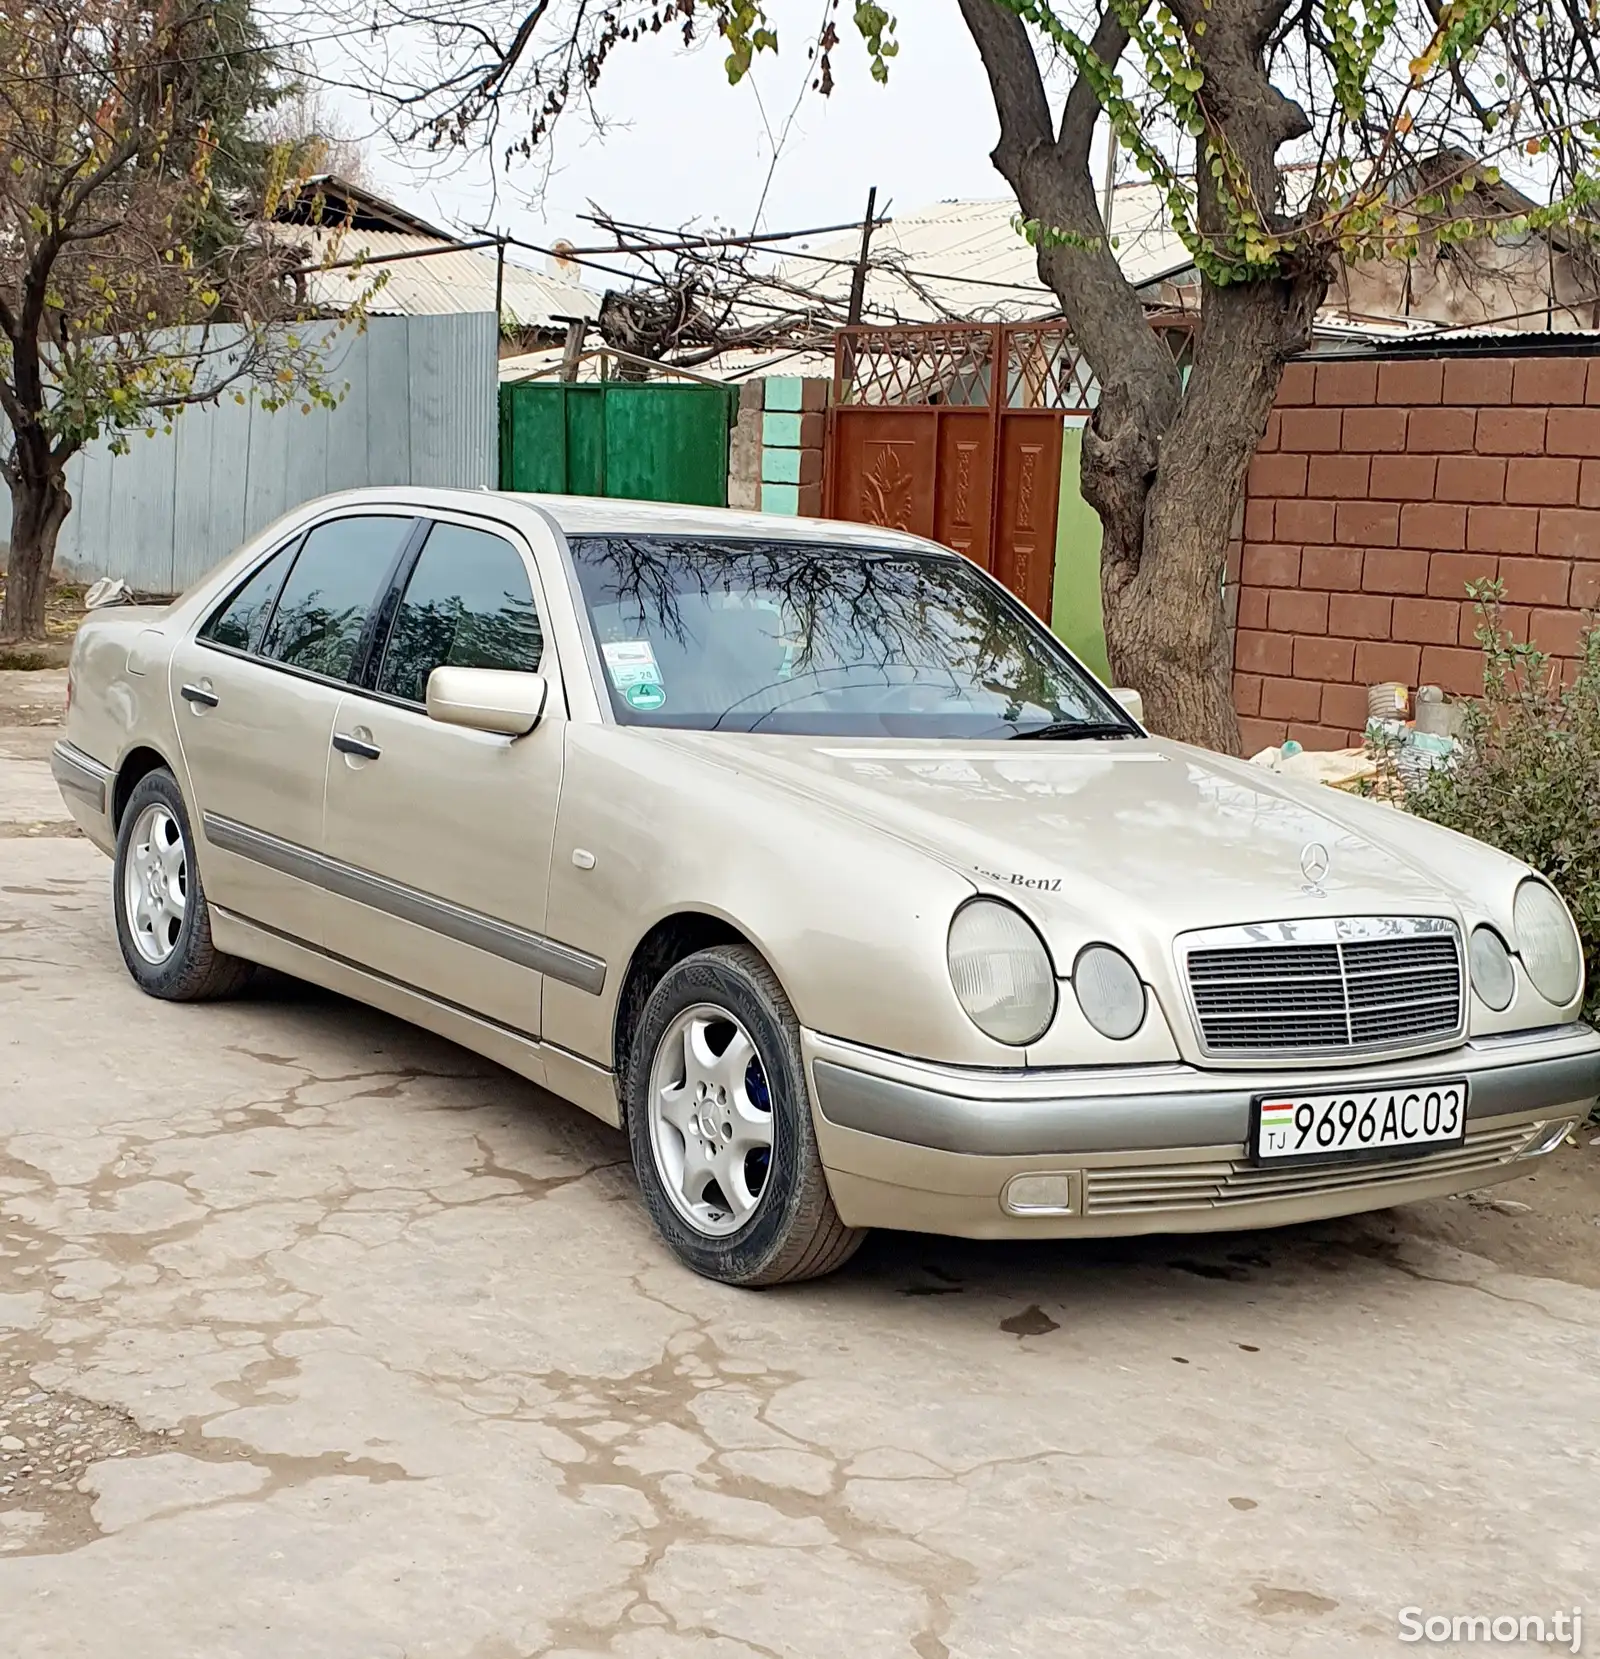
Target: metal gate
{"x": 953, "y": 431}
{"x": 640, "y": 442}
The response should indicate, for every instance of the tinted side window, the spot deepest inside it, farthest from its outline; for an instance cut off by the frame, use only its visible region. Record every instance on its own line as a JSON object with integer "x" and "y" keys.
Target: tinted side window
{"x": 333, "y": 585}
{"x": 468, "y": 605}
{"x": 239, "y": 619}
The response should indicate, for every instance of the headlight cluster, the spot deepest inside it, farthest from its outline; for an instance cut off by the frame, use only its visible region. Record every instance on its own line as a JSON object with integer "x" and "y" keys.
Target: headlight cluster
{"x": 1004, "y": 978}
{"x": 1547, "y": 942}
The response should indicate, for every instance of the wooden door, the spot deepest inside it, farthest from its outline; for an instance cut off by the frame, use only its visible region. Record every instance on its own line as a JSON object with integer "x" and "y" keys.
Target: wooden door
{"x": 1028, "y": 493}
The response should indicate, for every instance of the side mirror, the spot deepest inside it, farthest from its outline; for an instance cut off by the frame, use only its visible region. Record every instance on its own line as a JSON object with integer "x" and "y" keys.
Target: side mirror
{"x": 1132, "y": 703}
{"x": 487, "y": 699}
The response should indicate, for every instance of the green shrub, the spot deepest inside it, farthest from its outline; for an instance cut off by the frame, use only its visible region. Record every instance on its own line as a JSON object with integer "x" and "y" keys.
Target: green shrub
{"x": 1527, "y": 779}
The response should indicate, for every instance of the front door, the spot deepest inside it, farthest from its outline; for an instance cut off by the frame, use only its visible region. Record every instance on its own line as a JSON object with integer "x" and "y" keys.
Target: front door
{"x": 255, "y": 692}
{"x": 441, "y": 837}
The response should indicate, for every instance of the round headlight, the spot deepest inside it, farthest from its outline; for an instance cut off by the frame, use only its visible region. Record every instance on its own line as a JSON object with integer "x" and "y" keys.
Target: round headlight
{"x": 1110, "y": 992}
{"x": 1001, "y": 972}
{"x": 1492, "y": 975}
{"x": 1548, "y": 943}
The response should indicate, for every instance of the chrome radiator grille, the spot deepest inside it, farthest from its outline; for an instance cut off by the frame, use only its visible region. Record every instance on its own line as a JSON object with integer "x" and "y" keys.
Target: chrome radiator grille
{"x": 1324, "y": 986}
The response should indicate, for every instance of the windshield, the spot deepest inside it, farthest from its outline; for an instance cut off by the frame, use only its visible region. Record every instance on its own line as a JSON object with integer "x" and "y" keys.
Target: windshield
{"x": 785, "y": 637}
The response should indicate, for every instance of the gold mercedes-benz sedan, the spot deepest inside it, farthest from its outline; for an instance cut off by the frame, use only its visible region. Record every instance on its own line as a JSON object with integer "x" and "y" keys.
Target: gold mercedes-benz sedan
{"x": 804, "y": 854}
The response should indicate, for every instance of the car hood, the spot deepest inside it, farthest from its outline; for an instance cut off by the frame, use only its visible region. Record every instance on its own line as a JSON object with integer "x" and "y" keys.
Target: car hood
{"x": 1145, "y": 835}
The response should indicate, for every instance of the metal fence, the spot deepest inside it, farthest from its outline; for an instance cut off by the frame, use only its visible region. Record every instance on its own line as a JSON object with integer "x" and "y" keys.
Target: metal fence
{"x": 419, "y": 408}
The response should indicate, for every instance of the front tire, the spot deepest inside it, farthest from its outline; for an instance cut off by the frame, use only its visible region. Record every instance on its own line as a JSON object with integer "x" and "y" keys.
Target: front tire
{"x": 719, "y": 1124}
{"x": 163, "y": 920}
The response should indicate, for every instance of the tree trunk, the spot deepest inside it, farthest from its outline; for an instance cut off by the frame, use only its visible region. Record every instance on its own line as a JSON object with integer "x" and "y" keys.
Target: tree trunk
{"x": 40, "y": 503}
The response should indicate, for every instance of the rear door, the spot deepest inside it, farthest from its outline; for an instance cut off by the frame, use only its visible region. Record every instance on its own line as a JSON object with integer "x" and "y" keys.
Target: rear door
{"x": 255, "y": 693}
{"x": 442, "y": 836}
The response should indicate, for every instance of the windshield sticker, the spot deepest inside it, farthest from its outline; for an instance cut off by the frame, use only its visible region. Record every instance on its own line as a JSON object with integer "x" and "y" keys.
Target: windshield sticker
{"x": 1039, "y": 884}
{"x": 631, "y": 662}
{"x": 644, "y": 696}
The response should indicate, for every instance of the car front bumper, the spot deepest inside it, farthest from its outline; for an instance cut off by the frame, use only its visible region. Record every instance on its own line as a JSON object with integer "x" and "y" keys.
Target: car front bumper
{"x": 1158, "y": 1149}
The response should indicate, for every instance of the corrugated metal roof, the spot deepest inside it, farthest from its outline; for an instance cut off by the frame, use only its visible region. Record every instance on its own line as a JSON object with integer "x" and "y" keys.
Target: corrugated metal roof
{"x": 732, "y": 366}
{"x": 966, "y": 259}
{"x": 451, "y": 280}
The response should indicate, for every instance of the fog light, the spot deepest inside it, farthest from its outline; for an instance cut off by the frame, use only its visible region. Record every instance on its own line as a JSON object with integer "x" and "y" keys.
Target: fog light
{"x": 1548, "y": 1138}
{"x": 1041, "y": 1194}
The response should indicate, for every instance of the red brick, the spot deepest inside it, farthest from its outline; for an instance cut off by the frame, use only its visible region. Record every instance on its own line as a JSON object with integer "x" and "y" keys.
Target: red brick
{"x": 1457, "y": 671}
{"x": 1543, "y": 480}
{"x": 810, "y": 501}
{"x": 1574, "y": 432}
{"x": 1509, "y": 432}
{"x": 1269, "y": 438}
{"x": 1290, "y": 700}
{"x": 1247, "y": 693}
{"x": 1402, "y": 477}
{"x": 1374, "y": 431}
{"x": 1502, "y": 529}
{"x": 1547, "y": 380}
{"x": 1359, "y": 615}
{"x": 1310, "y": 736}
{"x": 1441, "y": 431}
{"x": 1560, "y": 633}
{"x": 1313, "y": 430}
{"x": 1262, "y": 653}
{"x": 1344, "y": 706}
{"x": 1584, "y": 592}
{"x": 1344, "y": 477}
{"x": 1536, "y": 581}
{"x": 1427, "y": 621}
{"x": 1569, "y": 533}
{"x": 1512, "y": 617}
{"x": 1303, "y": 521}
{"x": 1433, "y": 524}
{"x": 1252, "y": 607}
{"x": 1369, "y": 523}
{"x": 1477, "y": 380}
{"x": 1345, "y": 383}
{"x": 1381, "y": 660}
{"x": 1411, "y": 383}
{"x": 1395, "y": 570}
{"x": 1337, "y": 568}
{"x": 1594, "y": 381}
{"x": 1277, "y": 475}
{"x": 1271, "y": 565}
{"x": 1589, "y": 485}
{"x": 1297, "y": 613}
{"x": 1323, "y": 659}
{"x": 1449, "y": 573}
{"x": 1258, "y": 518}
{"x": 1255, "y": 735}
{"x": 1470, "y": 478}
{"x": 1298, "y": 384}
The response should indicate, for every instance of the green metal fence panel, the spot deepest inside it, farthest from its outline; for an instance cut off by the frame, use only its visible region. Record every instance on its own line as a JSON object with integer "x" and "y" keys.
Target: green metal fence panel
{"x": 640, "y": 442}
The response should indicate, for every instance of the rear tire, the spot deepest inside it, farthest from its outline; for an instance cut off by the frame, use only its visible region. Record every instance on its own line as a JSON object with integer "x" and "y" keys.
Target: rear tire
{"x": 719, "y": 1124}
{"x": 163, "y": 920}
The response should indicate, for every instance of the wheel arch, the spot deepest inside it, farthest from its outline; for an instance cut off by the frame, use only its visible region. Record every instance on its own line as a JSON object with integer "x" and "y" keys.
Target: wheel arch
{"x": 139, "y": 762}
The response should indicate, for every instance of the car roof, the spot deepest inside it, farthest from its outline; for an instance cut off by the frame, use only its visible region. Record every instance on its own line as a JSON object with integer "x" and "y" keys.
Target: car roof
{"x": 583, "y": 515}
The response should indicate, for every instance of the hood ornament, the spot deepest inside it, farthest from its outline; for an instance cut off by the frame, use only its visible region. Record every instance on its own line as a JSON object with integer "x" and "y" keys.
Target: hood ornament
{"x": 1314, "y": 864}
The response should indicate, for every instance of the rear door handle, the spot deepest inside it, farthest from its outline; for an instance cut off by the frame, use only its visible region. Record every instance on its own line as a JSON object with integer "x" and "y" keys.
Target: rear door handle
{"x": 199, "y": 694}
{"x": 355, "y": 746}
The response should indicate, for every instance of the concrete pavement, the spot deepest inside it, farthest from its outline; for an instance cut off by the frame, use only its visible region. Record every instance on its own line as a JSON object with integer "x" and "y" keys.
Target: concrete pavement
{"x": 323, "y": 1339}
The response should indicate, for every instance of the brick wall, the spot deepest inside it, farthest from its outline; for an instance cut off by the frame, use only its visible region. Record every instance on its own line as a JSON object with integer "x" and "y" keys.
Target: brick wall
{"x": 1380, "y": 490}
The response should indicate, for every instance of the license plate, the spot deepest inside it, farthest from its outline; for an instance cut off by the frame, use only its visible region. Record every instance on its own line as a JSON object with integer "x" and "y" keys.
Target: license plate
{"x": 1415, "y": 1117}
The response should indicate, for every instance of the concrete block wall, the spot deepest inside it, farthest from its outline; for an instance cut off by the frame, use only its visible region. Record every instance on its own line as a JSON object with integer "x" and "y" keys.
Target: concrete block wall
{"x": 1379, "y": 491}
{"x": 744, "y": 449}
{"x": 793, "y": 427}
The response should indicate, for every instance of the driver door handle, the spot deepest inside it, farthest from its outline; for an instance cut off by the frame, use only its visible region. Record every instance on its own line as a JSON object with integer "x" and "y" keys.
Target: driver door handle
{"x": 347, "y": 745}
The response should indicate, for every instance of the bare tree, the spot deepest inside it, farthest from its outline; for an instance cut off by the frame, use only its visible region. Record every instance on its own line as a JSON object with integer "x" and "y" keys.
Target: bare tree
{"x": 1289, "y": 139}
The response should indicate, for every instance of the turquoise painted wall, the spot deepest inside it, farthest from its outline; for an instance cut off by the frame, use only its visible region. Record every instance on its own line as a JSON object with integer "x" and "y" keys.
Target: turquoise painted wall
{"x": 1075, "y": 602}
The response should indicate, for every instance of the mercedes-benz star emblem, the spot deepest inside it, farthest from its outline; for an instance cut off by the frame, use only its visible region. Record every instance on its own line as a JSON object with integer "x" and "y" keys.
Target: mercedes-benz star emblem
{"x": 1314, "y": 863}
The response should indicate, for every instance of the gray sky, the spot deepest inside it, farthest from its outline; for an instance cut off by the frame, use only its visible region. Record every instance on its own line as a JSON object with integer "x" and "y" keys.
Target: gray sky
{"x": 682, "y": 145}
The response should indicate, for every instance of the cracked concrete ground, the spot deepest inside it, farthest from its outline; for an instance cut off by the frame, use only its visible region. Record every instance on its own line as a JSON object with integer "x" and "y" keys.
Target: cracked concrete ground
{"x": 322, "y": 1339}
